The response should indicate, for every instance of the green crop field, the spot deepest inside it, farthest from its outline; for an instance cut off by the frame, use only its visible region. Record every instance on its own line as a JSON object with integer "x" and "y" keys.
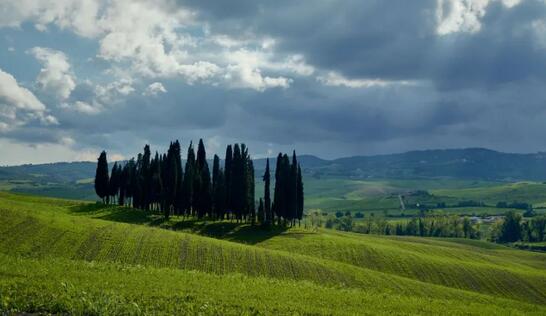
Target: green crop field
{"x": 67, "y": 256}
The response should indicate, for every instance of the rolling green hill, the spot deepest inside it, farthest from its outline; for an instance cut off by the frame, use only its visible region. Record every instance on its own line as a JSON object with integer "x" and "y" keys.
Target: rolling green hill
{"x": 69, "y": 256}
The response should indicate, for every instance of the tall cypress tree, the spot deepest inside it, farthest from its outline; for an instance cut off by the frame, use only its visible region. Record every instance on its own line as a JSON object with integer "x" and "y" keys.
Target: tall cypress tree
{"x": 245, "y": 184}
{"x": 131, "y": 182}
{"x": 173, "y": 176}
{"x": 156, "y": 185}
{"x": 292, "y": 187}
{"x": 123, "y": 182}
{"x": 189, "y": 175}
{"x": 220, "y": 196}
{"x": 286, "y": 188}
{"x": 237, "y": 189}
{"x": 300, "y": 195}
{"x": 261, "y": 212}
{"x": 178, "y": 196}
{"x": 228, "y": 168}
{"x": 278, "y": 193}
{"x": 202, "y": 184}
{"x": 268, "y": 215}
{"x": 215, "y": 183}
{"x": 138, "y": 183}
{"x": 251, "y": 191}
{"x": 146, "y": 177}
{"x": 113, "y": 185}
{"x": 101, "y": 177}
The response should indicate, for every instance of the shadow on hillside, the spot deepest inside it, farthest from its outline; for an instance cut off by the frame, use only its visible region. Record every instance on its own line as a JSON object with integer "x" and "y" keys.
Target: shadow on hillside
{"x": 227, "y": 230}
{"x": 232, "y": 231}
{"x": 114, "y": 213}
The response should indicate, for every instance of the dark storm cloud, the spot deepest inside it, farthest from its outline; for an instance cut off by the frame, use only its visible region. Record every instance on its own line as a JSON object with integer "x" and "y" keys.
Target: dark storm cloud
{"x": 393, "y": 39}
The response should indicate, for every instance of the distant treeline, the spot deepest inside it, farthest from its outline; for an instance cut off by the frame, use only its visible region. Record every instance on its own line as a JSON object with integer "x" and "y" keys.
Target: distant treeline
{"x": 434, "y": 226}
{"x": 510, "y": 228}
{"x": 162, "y": 184}
{"x": 513, "y": 228}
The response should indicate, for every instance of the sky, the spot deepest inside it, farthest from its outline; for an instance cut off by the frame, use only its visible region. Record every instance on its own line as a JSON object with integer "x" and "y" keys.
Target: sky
{"x": 329, "y": 78}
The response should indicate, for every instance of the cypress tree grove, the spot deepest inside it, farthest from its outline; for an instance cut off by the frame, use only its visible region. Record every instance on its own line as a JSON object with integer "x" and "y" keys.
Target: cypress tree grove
{"x": 159, "y": 184}
{"x": 101, "y": 177}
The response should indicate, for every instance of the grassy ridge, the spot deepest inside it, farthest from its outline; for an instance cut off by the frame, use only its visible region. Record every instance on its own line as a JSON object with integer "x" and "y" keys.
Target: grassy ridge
{"x": 79, "y": 287}
{"x": 38, "y": 235}
{"x": 50, "y": 236}
{"x": 501, "y": 272}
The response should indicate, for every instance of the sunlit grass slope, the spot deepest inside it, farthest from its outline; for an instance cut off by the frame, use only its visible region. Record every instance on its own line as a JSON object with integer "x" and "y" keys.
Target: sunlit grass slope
{"x": 46, "y": 244}
{"x": 80, "y": 287}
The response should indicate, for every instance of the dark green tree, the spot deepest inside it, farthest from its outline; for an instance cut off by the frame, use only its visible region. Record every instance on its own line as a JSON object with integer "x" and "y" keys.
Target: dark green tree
{"x": 228, "y": 167}
{"x": 538, "y": 227}
{"x": 251, "y": 191}
{"x": 156, "y": 186}
{"x": 268, "y": 217}
{"x": 203, "y": 196}
{"x": 113, "y": 184}
{"x": 172, "y": 176}
{"x": 261, "y": 212}
{"x": 237, "y": 189}
{"x": 286, "y": 189}
{"x": 292, "y": 190}
{"x": 101, "y": 177}
{"x": 220, "y": 196}
{"x": 215, "y": 184}
{"x": 146, "y": 178}
{"x": 510, "y": 229}
{"x": 300, "y": 194}
{"x": 187, "y": 186}
{"x": 278, "y": 192}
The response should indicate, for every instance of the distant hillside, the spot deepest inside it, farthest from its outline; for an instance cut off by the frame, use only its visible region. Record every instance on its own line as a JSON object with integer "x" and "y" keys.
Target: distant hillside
{"x": 471, "y": 163}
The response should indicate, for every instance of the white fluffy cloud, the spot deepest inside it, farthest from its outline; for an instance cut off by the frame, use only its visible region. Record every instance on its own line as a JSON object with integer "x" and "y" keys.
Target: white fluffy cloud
{"x": 157, "y": 39}
{"x": 464, "y": 15}
{"x": 82, "y": 107}
{"x": 154, "y": 89}
{"x": 77, "y": 15}
{"x": 55, "y": 76}
{"x": 245, "y": 67}
{"x": 19, "y": 105}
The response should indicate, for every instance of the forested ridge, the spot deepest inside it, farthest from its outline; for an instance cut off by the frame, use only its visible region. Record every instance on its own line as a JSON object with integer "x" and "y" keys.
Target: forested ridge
{"x": 163, "y": 184}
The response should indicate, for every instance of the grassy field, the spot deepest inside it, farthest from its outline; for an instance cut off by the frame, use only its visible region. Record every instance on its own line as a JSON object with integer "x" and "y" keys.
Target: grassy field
{"x": 67, "y": 256}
